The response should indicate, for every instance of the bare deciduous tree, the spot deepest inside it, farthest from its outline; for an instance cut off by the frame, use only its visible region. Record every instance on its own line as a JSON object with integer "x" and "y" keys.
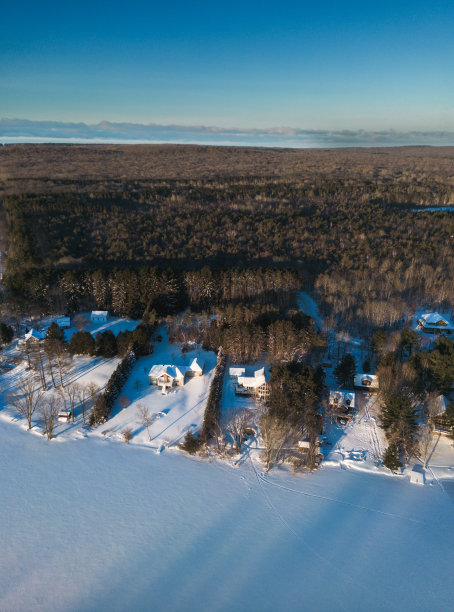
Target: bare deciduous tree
{"x": 82, "y": 395}
{"x": 93, "y": 391}
{"x": 72, "y": 392}
{"x": 37, "y": 357}
{"x": 237, "y": 423}
{"x": 426, "y": 430}
{"x": 80, "y": 321}
{"x": 275, "y": 434}
{"x": 145, "y": 418}
{"x": 49, "y": 415}
{"x": 219, "y": 436}
{"x": 29, "y": 399}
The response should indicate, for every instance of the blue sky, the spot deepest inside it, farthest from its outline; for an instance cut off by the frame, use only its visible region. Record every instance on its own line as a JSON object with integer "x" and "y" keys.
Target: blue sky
{"x": 309, "y": 65}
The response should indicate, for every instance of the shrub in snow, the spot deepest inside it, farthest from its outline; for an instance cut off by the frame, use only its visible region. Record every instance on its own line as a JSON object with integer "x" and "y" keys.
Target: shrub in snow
{"x": 191, "y": 444}
{"x": 127, "y": 434}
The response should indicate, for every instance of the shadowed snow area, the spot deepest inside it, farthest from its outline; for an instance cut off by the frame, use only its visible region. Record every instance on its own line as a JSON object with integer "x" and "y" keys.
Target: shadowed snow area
{"x": 94, "y": 524}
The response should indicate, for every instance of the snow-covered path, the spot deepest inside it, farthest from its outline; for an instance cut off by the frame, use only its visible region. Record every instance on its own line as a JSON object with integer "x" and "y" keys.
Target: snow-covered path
{"x": 94, "y": 524}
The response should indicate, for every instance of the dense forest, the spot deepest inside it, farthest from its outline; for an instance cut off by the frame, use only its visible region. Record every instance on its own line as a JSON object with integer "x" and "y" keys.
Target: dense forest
{"x": 141, "y": 229}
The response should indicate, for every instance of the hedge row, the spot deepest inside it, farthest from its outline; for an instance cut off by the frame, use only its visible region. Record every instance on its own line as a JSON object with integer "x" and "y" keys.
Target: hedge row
{"x": 106, "y": 399}
{"x": 211, "y": 418}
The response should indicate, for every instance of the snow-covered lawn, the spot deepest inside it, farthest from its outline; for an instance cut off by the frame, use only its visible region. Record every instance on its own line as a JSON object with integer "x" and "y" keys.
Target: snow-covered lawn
{"x": 360, "y": 445}
{"x": 95, "y": 525}
{"x": 174, "y": 414}
{"x": 181, "y": 409}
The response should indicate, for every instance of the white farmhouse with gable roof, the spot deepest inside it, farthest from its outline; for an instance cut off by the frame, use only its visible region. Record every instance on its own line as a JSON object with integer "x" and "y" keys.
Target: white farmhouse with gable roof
{"x": 99, "y": 315}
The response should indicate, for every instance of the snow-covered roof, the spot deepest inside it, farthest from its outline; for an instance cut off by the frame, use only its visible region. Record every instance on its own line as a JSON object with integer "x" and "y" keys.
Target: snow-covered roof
{"x": 260, "y": 372}
{"x": 237, "y": 371}
{"x": 366, "y": 380}
{"x": 197, "y": 365}
{"x": 342, "y": 397}
{"x": 435, "y": 319}
{"x": 34, "y": 334}
{"x": 171, "y": 370}
{"x": 99, "y": 313}
{"x": 252, "y": 382}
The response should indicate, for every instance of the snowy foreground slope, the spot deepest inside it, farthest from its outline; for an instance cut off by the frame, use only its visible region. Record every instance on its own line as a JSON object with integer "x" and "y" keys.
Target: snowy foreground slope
{"x": 94, "y": 524}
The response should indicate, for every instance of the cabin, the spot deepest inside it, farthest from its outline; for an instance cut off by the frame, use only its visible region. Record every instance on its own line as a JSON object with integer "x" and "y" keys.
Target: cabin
{"x": 64, "y": 415}
{"x": 441, "y": 423}
{"x": 64, "y": 322}
{"x": 433, "y": 323}
{"x": 366, "y": 382}
{"x": 342, "y": 404}
{"x": 256, "y": 385}
{"x": 99, "y": 316}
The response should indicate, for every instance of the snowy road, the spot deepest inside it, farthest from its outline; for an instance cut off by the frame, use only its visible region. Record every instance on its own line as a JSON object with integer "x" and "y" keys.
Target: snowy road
{"x": 95, "y": 524}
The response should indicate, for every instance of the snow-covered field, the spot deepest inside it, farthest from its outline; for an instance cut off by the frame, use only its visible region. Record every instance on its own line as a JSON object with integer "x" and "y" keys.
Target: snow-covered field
{"x": 181, "y": 409}
{"x": 94, "y": 525}
{"x": 173, "y": 414}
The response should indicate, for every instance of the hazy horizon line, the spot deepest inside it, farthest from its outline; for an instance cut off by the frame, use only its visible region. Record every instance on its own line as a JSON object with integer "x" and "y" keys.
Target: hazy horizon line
{"x": 41, "y": 131}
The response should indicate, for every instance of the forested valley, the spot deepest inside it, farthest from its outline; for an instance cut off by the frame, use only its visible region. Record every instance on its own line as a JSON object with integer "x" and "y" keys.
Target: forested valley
{"x": 157, "y": 229}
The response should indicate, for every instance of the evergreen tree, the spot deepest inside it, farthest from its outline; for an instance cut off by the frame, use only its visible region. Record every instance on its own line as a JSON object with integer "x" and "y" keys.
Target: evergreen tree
{"x": 124, "y": 342}
{"x": 6, "y": 333}
{"x": 345, "y": 371}
{"x": 391, "y": 458}
{"x": 106, "y": 344}
{"x": 141, "y": 339}
{"x": 82, "y": 343}
{"x": 54, "y": 332}
{"x": 399, "y": 420}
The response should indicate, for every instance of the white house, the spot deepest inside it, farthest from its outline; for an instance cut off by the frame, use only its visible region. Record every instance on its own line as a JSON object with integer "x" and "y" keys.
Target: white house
{"x": 433, "y": 323}
{"x": 366, "y": 382}
{"x": 256, "y": 385}
{"x": 168, "y": 376}
{"x": 32, "y": 336}
{"x": 99, "y": 315}
{"x": 342, "y": 404}
{"x": 64, "y": 322}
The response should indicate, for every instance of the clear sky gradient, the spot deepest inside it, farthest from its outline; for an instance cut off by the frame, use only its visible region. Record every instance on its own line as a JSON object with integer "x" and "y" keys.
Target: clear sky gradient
{"x": 248, "y": 64}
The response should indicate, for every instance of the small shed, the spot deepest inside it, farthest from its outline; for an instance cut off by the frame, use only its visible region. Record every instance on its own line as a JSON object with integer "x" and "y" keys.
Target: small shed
{"x": 99, "y": 315}
{"x": 196, "y": 367}
{"x": 417, "y": 475}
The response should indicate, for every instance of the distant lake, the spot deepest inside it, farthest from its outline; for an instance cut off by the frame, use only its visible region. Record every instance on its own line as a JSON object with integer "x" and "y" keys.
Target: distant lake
{"x": 449, "y": 208}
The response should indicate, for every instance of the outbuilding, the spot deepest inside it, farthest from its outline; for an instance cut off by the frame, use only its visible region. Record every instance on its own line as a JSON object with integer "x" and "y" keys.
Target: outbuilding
{"x": 99, "y": 315}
